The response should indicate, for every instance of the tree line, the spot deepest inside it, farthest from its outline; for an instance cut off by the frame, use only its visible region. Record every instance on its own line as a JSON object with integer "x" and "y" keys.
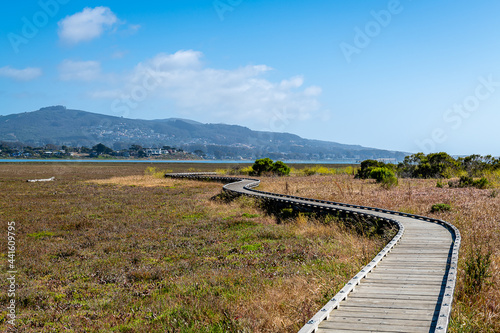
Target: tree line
{"x": 435, "y": 165}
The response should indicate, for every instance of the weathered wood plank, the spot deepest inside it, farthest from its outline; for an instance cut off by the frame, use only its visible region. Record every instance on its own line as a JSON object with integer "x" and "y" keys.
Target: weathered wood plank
{"x": 360, "y": 327}
{"x": 393, "y": 312}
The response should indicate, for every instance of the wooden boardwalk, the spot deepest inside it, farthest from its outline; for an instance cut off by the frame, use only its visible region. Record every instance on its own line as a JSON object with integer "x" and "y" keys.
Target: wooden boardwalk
{"x": 405, "y": 292}
{"x": 410, "y": 290}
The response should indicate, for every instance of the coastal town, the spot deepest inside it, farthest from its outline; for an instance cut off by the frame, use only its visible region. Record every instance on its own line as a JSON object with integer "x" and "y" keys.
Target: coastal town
{"x": 99, "y": 151}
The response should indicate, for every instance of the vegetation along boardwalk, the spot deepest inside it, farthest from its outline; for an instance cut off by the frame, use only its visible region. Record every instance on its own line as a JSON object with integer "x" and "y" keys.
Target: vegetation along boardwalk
{"x": 410, "y": 290}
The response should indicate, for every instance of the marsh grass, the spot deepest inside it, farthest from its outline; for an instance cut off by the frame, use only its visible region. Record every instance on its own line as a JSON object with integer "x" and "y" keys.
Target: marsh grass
{"x": 115, "y": 249}
{"x": 323, "y": 170}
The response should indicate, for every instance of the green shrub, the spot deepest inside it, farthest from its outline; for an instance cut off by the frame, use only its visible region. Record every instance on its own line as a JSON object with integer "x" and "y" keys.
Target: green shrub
{"x": 286, "y": 213}
{"x": 466, "y": 181}
{"x": 367, "y": 167}
{"x": 380, "y": 174}
{"x": 389, "y": 182}
{"x": 477, "y": 267}
{"x": 384, "y": 176}
{"x": 247, "y": 170}
{"x": 482, "y": 183}
{"x": 280, "y": 168}
{"x": 262, "y": 165}
{"x": 154, "y": 172}
{"x": 266, "y": 165}
{"x": 308, "y": 171}
{"x": 440, "y": 208}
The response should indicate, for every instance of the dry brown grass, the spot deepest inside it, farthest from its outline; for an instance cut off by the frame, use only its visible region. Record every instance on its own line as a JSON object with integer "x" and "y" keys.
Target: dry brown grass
{"x": 106, "y": 248}
{"x": 144, "y": 181}
{"x": 475, "y": 212}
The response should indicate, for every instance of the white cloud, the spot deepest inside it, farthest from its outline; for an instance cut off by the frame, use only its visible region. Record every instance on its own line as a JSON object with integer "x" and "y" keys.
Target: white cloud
{"x": 132, "y": 29}
{"x": 86, "y": 25}
{"x": 26, "y": 74}
{"x": 79, "y": 70}
{"x": 171, "y": 62}
{"x": 313, "y": 91}
{"x": 215, "y": 95}
{"x": 294, "y": 82}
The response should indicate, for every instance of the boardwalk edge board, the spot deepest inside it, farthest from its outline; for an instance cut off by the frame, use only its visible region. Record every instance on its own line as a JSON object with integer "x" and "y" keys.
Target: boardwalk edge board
{"x": 244, "y": 186}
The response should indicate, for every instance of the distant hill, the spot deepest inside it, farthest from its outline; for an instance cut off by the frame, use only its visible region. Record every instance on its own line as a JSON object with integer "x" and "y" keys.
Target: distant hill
{"x": 60, "y": 126}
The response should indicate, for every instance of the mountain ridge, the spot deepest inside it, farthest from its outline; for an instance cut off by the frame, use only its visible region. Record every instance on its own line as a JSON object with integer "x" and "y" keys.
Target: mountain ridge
{"x": 61, "y": 126}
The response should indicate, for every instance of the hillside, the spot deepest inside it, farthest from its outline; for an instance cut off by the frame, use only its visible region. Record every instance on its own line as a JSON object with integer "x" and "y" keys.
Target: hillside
{"x": 60, "y": 126}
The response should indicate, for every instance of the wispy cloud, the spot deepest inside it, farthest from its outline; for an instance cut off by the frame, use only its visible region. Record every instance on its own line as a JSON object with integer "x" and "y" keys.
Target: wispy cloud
{"x": 70, "y": 70}
{"x": 118, "y": 54}
{"x": 86, "y": 25}
{"x": 26, "y": 74}
{"x": 235, "y": 95}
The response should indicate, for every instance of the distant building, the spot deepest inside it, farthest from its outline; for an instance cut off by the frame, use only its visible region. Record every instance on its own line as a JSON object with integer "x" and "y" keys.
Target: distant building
{"x": 387, "y": 160}
{"x": 155, "y": 151}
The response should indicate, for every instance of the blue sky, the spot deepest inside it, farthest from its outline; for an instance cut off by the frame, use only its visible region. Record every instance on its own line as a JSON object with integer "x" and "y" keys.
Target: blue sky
{"x": 400, "y": 75}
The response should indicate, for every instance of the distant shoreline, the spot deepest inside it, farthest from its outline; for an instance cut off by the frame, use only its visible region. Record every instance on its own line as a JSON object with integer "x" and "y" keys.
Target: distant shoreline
{"x": 164, "y": 161}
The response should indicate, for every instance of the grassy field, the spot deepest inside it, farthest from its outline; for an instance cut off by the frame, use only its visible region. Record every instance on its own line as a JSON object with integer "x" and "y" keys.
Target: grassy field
{"x": 112, "y": 248}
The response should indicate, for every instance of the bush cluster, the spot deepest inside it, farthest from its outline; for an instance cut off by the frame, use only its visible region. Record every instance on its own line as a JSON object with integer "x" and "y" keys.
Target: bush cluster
{"x": 466, "y": 181}
{"x": 442, "y": 165}
{"x": 368, "y": 166}
{"x": 440, "y": 208}
{"x": 384, "y": 176}
{"x": 437, "y": 165}
{"x": 267, "y": 166}
{"x": 381, "y": 172}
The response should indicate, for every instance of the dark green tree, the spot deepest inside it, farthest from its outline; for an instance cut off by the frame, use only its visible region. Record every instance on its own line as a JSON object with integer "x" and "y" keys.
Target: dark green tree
{"x": 441, "y": 164}
{"x": 101, "y": 149}
{"x": 262, "y": 165}
{"x": 141, "y": 153}
{"x": 436, "y": 165}
{"x": 199, "y": 152}
{"x": 135, "y": 148}
{"x": 266, "y": 165}
{"x": 366, "y": 168}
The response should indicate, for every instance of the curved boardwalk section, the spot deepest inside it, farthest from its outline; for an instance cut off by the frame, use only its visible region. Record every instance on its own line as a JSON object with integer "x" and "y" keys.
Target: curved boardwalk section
{"x": 410, "y": 290}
